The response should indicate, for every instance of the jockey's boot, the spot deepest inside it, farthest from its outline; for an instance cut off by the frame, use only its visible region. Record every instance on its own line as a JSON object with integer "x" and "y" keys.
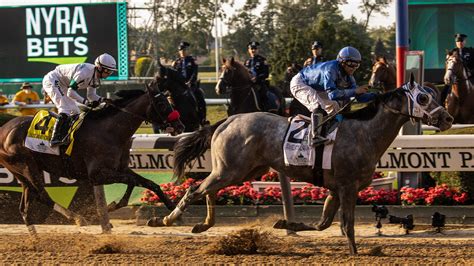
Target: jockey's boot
{"x": 60, "y": 130}
{"x": 317, "y": 139}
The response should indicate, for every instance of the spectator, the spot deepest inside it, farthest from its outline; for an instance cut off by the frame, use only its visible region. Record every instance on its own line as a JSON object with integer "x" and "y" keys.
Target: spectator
{"x": 317, "y": 51}
{"x": 26, "y": 96}
{"x": 3, "y": 101}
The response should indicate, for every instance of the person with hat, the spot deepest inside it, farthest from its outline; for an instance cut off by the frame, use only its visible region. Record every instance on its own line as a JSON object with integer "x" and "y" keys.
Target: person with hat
{"x": 62, "y": 85}
{"x": 316, "y": 50}
{"x": 259, "y": 70}
{"x": 26, "y": 96}
{"x": 186, "y": 65}
{"x": 3, "y": 101}
{"x": 324, "y": 88}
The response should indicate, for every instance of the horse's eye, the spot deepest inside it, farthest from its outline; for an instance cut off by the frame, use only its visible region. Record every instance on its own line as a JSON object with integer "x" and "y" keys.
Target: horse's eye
{"x": 423, "y": 99}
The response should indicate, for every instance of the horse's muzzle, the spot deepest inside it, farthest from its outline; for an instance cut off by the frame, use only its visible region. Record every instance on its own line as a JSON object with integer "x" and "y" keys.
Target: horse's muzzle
{"x": 174, "y": 128}
{"x": 445, "y": 121}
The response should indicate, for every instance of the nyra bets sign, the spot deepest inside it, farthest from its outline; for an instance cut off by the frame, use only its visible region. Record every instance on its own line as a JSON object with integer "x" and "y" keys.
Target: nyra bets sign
{"x": 37, "y": 38}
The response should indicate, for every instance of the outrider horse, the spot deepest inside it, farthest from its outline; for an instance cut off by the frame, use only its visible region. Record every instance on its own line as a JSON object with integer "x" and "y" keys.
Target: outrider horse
{"x": 460, "y": 101}
{"x": 181, "y": 96}
{"x": 362, "y": 138}
{"x": 383, "y": 75}
{"x": 236, "y": 78}
{"x": 100, "y": 154}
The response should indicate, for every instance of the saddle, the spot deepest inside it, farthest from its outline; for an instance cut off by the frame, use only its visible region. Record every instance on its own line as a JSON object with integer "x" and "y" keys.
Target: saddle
{"x": 298, "y": 151}
{"x": 40, "y": 132}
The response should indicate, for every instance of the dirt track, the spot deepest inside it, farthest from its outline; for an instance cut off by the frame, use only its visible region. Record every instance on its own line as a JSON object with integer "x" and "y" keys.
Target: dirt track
{"x": 130, "y": 244}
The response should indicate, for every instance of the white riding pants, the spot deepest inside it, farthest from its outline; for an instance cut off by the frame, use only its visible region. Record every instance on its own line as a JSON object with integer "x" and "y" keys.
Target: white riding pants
{"x": 59, "y": 95}
{"x": 311, "y": 98}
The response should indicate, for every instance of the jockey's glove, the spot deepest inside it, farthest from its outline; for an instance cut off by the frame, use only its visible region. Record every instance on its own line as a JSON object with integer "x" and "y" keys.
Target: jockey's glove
{"x": 93, "y": 104}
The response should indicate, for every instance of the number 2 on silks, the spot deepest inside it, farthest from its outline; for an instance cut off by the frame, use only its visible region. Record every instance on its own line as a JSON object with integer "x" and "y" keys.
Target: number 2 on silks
{"x": 291, "y": 137}
{"x": 43, "y": 124}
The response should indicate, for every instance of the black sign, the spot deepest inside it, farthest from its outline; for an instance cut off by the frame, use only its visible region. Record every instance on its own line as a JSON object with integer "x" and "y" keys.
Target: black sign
{"x": 35, "y": 39}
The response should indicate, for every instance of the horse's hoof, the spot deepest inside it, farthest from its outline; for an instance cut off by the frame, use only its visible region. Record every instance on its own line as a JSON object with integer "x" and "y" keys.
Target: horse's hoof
{"x": 155, "y": 222}
{"x": 280, "y": 224}
{"x": 107, "y": 229}
{"x": 80, "y": 221}
{"x": 200, "y": 227}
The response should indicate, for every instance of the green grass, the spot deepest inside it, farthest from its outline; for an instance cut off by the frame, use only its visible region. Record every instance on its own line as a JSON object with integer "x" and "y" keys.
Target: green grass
{"x": 214, "y": 113}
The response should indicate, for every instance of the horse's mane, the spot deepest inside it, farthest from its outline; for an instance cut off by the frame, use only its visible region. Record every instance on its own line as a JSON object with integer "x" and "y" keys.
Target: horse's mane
{"x": 125, "y": 97}
{"x": 368, "y": 112}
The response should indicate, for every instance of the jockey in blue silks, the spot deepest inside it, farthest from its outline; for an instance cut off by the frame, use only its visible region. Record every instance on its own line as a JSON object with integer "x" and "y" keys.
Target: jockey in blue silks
{"x": 329, "y": 86}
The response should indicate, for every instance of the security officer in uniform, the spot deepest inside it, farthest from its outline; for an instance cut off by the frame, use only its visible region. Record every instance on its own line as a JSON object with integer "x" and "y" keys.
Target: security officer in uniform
{"x": 317, "y": 51}
{"x": 467, "y": 57}
{"x": 259, "y": 70}
{"x": 188, "y": 68}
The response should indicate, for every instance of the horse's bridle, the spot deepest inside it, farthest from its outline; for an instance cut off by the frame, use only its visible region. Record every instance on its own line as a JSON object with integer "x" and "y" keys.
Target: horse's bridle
{"x": 415, "y": 109}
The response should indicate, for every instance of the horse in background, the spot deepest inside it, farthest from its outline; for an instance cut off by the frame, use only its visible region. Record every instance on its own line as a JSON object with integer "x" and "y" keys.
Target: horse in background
{"x": 367, "y": 134}
{"x": 180, "y": 96}
{"x": 460, "y": 101}
{"x": 384, "y": 76}
{"x": 236, "y": 79}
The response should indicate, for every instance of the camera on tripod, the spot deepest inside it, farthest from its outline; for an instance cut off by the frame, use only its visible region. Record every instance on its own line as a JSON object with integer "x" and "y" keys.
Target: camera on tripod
{"x": 406, "y": 222}
{"x": 380, "y": 211}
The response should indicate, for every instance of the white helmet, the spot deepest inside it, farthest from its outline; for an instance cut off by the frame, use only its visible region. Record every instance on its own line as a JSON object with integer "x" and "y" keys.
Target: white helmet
{"x": 106, "y": 61}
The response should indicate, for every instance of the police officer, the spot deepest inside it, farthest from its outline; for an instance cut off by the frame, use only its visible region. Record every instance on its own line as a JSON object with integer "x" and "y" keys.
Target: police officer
{"x": 317, "y": 51}
{"x": 466, "y": 53}
{"x": 186, "y": 65}
{"x": 259, "y": 70}
{"x": 467, "y": 57}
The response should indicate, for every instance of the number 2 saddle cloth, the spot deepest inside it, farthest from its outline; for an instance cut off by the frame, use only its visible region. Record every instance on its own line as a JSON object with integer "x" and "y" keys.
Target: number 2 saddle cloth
{"x": 41, "y": 130}
{"x": 298, "y": 151}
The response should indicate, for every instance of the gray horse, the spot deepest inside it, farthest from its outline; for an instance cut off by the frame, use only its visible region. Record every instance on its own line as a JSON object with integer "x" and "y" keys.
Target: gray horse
{"x": 246, "y": 145}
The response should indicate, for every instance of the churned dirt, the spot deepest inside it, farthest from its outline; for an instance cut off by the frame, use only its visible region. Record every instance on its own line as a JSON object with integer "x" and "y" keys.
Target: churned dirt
{"x": 254, "y": 243}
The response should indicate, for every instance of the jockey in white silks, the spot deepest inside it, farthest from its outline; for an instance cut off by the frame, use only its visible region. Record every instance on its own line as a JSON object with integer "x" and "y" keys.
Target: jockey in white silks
{"x": 328, "y": 86}
{"x": 62, "y": 84}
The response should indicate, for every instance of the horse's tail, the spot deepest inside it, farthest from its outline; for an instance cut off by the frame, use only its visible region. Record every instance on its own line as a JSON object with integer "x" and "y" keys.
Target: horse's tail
{"x": 191, "y": 147}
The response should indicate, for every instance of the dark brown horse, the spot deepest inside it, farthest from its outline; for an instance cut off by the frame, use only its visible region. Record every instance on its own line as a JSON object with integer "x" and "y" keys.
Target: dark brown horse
{"x": 100, "y": 155}
{"x": 460, "y": 101}
{"x": 362, "y": 138}
{"x": 235, "y": 79}
{"x": 384, "y": 76}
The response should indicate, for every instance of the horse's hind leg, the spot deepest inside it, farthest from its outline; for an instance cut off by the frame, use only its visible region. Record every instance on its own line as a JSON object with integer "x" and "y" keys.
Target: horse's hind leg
{"x": 211, "y": 216}
{"x": 348, "y": 198}
{"x": 331, "y": 206}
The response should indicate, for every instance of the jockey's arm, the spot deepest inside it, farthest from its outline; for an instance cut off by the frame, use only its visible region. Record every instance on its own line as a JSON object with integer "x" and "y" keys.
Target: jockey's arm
{"x": 92, "y": 94}
{"x": 335, "y": 93}
{"x": 72, "y": 91}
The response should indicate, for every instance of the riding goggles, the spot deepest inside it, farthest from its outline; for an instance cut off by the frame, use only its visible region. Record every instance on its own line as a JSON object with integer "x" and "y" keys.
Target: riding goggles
{"x": 352, "y": 64}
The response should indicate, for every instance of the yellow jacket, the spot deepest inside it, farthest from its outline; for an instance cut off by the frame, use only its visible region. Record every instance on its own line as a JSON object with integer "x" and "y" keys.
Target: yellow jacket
{"x": 26, "y": 98}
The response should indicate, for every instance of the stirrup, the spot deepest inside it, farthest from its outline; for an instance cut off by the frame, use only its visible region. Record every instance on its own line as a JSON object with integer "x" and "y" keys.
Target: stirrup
{"x": 318, "y": 140}
{"x": 57, "y": 142}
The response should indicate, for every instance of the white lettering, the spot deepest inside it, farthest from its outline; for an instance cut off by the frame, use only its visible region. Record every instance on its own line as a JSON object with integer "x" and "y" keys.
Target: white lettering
{"x": 63, "y": 18}
{"x": 34, "y": 47}
{"x": 65, "y": 41}
{"x": 66, "y": 180}
{"x": 33, "y": 22}
{"x": 81, "y": 46}
{"x": 50, "y": 47}
{"x": 48, "y": 18}
{"x": 9, "y": 176}
{"x": 78, "y": 21}
{"x": 47, "y": 178}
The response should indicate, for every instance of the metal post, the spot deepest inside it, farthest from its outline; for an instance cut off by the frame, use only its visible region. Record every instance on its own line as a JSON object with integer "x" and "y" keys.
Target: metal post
{"x": 401, "y": 38}
{"x": 216, "y": 40}
{"x": 287, "y": 200}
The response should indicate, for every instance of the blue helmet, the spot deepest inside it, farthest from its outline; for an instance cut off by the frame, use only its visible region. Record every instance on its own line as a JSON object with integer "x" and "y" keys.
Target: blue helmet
{"x": 349, "y": 53}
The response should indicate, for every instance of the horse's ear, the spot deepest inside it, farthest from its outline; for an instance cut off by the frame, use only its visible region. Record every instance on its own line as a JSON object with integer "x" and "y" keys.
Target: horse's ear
{"x": 232, "y": 60}
{"x": 412, "y": 80}
{"x": 223, "y": 60}
{"x": 159, "y": 62}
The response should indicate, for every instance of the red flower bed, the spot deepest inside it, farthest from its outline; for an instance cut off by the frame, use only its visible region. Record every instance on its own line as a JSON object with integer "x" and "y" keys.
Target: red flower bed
{"x": 310, "y": 194}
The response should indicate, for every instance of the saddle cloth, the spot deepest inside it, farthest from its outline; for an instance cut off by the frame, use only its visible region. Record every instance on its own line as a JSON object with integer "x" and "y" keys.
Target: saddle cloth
{"x": 297, "y": 150}
{"x": 41, "y": 130}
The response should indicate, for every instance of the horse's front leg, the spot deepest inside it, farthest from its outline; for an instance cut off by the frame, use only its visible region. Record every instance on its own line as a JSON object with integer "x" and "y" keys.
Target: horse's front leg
{"x": 348, "y": 198}
{"x": 331, "y": 206}
{"x": 211, "y": 215}
{"x": 123, "y": 202}
{"x": 102, "y": 211}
